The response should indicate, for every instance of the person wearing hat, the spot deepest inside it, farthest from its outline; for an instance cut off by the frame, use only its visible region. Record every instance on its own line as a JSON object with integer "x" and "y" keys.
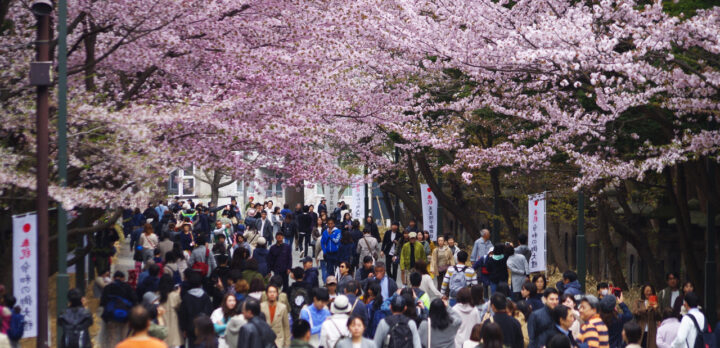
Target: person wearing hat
{"x": 261, "y": 255}
{"x": 613, "y": 319}
{"x": 594, "y": 333}
{"x": 335, "y": 327}
{"x": 390, "y": 250}
{"x": 280, "y": 260}
{"x": 412, "y": 252}
{"x": 331, "y": 285}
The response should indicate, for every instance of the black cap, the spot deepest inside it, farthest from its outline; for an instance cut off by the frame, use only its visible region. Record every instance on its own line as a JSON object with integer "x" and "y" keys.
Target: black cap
{"x": 307, "y": 259}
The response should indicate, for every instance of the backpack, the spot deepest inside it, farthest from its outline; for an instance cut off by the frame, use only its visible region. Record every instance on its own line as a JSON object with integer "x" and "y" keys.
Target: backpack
{"x": 298, "y": 299}
{"x": 457, "y": 281}
{"x": 74, "y": 335}
{"x": 705, "y": 338}
{"x": 17, "y": 327}
{"x": 202, "y": 267}
{"x": 117, "y": 309}
{"x": 399, "y": 335}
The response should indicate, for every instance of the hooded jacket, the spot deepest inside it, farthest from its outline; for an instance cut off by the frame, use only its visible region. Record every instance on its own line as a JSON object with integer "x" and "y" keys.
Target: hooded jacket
{"x": 194, "y": 302}
{"x": 76, "y": 319}
{"x": 469, "y": 316}
{"x": 572, "y": 288}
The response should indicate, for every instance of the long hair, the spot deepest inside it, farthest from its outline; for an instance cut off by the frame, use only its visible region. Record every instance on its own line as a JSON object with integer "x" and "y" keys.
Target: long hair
{"x": 374, "y": 287}
{"x": 228, "y": 312}
{"x": 147, "y": 229}
{"x": 439, "y": 317}
{"x": 492, "y": 336}
{"x": 205, "y": 331}
{"x": 166, "y": 285}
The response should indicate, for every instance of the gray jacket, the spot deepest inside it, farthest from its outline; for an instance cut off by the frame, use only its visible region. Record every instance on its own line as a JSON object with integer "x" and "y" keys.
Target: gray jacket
{"x": 519, "y": 270}
{"x": 347, "y": 343}
{"x": 441, "y": 338}
{"x": 198, "y": 254}
{"x": 383, "y": 328}
{"x": 480, "y": 248}
{"x": 524, "y": 251}
{"x": 368, "y": 246}
{"x": 267, "y": 231}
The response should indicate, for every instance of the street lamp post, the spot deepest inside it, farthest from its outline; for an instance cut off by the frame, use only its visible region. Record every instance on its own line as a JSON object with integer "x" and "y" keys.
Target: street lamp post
{"x": 62, "y": 276}
{"x": 580, "y": 257}
{"x": 40, "y": 77}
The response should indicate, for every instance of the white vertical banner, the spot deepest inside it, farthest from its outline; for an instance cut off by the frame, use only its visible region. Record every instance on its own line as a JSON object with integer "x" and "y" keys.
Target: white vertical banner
{"x": 429, "y": 208}
{"x": 537, "y": 232}
{"x": 25, "y": 269}
{"x": 358, "y": 199}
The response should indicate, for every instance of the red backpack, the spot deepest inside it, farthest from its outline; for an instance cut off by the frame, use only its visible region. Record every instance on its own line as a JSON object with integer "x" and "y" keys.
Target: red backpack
{"x": 202, "y": 267}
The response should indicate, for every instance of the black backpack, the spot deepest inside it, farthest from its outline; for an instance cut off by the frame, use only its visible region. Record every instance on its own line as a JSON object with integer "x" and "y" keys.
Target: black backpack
{"x": 704, "y": 338}
{"x": 399, "y": 335}
{"x": 299, "y": 298}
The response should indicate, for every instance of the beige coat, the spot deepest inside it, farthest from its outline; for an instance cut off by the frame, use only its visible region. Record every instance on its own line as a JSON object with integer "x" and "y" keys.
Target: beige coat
{"x": 174, "y": 337}
{"x": 280, "y": 323}
{"x": 441, "y": 259}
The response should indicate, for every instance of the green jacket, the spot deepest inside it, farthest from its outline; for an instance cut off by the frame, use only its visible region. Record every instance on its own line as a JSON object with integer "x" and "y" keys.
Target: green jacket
{"x": 294, "y": 343}
{"x": 405, "y": 254}
{"x": 249, "y": 275}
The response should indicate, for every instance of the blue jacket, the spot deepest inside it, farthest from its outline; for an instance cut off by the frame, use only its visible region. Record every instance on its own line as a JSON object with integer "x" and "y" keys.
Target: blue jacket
{"x": 330, "y": 241}
{"x": 311, "y": 277}
{"x": 572, "y": 288}
{"x": 616, "y": 326}
{"x": 260, "y": 255}
{"x": 280, "y": 258}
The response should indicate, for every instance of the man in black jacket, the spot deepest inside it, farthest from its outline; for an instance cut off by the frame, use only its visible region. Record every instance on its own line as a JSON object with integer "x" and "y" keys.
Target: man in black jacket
{"x": 256, "y": 333}
{"x": 194, "y": 302}
{"x": 540, "y": 324}
{"x": 511, "y": 328}
{"x": 563, "y": 319}
{"x": 304, "y": 227}
{"x": 391, "y": 249}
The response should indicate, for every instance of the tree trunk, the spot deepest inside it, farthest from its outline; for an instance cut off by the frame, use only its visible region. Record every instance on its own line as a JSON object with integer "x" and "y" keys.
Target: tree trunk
{"x": 609, "y": 249}
{"x": 89, "y": 42}
{"x": 677, "y": 190}
{"x": 460, "y": 211}
{"x": 555, "y": 247}
{"x": 504, "y": 204}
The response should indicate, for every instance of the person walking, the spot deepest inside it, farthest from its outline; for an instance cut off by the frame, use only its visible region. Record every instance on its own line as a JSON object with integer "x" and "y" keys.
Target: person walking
{"x": 335, "y": 326}
{"x": 412, "y": 252}
{"x": 75, "y": 322}
{"x": 148, "y": 241}
{"x": 511, "y": 329}
{"x": 457, "y": 277}
{"x": 117, "y": 300}
{"x": 668, "y": 329}
{"x": 519, "y": 272}
{"x": 301, "y": 334}
{"x": 260, "y": 254}
{"x": 139, "y": 324}
{"x": 594, "y": 333}
{"x": 540, "y": 323}
{"x": 368, "y": 246}
{"x": 397, "y": 328}
{"x": 441, "y": 327}
{"x": 330, "y": 244}
{"x": 170, "y": 302}
{"x": 442, "y": 258}
{"x": 201, "y": 259}
{"x": 316, "y": 314}
{"x": 194, "y": 302}
{"x": 481, "y": 246}
{"x": 391, "y": 250}
{"x": 277, "y": 316}
{"x": 356, "y": 327}
{"x": 691, "y": 324}
{"x": 469, "y": 316}
{"x": 256, "y": 333}
{"x": 221, "y": 316}
{"x": 280, "y": 260}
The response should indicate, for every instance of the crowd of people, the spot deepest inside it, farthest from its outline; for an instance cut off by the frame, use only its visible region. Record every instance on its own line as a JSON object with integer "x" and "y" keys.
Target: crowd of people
{"x": 224, "y": 277}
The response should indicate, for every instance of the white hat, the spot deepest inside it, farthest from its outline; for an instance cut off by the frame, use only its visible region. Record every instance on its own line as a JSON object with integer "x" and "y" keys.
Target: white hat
{"x": 412, "y": 235}
{"x": 341, "y": 305}
{"x": 186, "y": 206}
{"x": 261, "y": 241}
